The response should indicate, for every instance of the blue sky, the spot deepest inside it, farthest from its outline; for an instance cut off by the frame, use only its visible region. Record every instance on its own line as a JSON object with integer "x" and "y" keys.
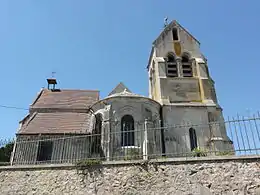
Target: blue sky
{"x": 95, "y": 44}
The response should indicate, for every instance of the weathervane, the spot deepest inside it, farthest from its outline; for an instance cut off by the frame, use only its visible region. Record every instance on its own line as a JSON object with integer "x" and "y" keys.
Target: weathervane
{"x": 53, "y": 74}
{"x": 165, "y": 21}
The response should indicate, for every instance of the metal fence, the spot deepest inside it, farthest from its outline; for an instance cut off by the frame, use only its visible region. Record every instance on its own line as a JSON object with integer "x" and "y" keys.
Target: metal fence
{"x": 236, "y": 136}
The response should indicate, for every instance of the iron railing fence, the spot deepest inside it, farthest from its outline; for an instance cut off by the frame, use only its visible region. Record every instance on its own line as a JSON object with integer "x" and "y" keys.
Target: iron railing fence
{"x": 236, "y": 136}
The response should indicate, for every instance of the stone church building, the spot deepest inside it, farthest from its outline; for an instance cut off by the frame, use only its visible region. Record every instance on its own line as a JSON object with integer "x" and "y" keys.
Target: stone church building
{"x": 180, "y": 114}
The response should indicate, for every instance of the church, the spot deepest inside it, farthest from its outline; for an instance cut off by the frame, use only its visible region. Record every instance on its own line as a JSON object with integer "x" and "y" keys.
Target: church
{"x": 181, "y": 113}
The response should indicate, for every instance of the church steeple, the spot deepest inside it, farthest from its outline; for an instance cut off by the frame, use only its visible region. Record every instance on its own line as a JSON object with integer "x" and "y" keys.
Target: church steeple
{"x": 178, "y": 71}
{"x": 179, "y": 79}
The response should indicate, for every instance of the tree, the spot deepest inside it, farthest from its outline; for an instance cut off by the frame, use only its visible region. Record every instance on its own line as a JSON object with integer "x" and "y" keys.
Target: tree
{"x": 6, "y": 151}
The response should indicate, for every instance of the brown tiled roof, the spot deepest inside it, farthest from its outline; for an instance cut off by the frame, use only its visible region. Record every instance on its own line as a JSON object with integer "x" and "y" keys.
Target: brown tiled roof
{"x": 57, "y": 123}
{"x": 67, "y": 99}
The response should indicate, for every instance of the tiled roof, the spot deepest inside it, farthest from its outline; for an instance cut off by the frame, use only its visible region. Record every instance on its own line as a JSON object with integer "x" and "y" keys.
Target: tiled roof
{"x": 67, "y": 99}
{"x": 58, "y": 122}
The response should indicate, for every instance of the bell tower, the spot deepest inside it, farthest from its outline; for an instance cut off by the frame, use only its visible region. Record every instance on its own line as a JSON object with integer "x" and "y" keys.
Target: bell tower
{"x": 180, "y": 81}
{"x": 178, "y": 71}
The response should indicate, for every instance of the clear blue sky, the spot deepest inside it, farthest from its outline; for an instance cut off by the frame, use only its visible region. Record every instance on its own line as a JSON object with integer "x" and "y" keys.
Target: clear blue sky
{"x": 94, "y": 44}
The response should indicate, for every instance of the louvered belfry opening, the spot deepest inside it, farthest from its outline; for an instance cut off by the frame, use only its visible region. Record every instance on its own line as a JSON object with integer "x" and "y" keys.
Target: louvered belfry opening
{"x": 186, "y": 66}
{"x": 172, "y": 70}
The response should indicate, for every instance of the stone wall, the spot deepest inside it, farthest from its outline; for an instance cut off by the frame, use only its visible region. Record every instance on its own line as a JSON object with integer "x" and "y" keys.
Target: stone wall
{"x": 231, "y": 176}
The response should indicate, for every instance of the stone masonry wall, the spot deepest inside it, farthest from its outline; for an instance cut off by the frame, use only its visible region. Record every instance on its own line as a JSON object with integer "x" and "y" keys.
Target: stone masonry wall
{"x": 199, "y": 177}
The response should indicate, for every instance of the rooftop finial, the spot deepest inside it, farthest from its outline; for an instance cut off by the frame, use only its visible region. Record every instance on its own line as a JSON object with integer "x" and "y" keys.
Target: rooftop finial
{"x": 165, "y": 21}
{"x": 53, "y": 74}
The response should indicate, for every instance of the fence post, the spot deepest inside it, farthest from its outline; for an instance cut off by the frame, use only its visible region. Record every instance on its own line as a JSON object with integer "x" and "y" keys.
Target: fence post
{"x": 145, "y": 142}
{"x": 13, "y": 153}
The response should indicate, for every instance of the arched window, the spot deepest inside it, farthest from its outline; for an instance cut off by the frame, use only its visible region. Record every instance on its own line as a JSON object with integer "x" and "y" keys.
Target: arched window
{"x": 186, "y": 66}
{"x": 127, "y": 128}
{"x": 96, "y": 137}
{"x": 193, "y": 139}
{"x": 171, "y": 65}
{"x": 98, "y": 125}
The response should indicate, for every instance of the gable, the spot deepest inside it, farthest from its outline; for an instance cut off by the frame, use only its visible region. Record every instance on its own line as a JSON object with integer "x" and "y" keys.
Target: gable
{"x": 119, "y": 89}
{"x": 176, "y": 40}
{"x": 168, "y": 28}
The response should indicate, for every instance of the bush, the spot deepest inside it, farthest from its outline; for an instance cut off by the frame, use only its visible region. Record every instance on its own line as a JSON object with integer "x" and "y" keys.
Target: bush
{"x": 88, "y": 163}
{"x": 199, "y": 152}
{"x": 132, "y": 154}
{"x": 6, "y": 151}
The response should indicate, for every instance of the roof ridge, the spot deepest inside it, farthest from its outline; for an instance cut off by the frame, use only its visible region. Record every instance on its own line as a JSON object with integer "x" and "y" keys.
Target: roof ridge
{"x": 171, "y": 25}
{"x": 30, "y": 119}
{"x": 91, "y": 90}
{"x": 120, "y": 84}
{"x": 37, "y": 97}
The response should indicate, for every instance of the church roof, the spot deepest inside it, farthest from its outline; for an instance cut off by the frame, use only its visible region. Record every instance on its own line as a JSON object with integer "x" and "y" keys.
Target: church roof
{"x": 60, "y": 111}
{"x": 119, "y": 88}
{"x": 125, "y": 93}
{"x": 65, "y": 98}
{"x": 57, "y": 123}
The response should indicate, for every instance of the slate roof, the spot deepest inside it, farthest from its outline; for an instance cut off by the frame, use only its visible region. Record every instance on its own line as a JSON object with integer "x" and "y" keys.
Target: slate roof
{"x": 68, "y": 112}
{"x": 57, "y": 123}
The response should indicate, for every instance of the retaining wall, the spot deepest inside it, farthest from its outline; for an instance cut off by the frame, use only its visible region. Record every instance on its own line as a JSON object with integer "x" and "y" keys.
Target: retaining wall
{"x": 229, "y": 175}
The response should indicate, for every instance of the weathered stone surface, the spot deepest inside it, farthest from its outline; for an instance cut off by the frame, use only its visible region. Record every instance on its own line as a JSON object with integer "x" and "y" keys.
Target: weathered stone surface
{"x": 201, "y": 178}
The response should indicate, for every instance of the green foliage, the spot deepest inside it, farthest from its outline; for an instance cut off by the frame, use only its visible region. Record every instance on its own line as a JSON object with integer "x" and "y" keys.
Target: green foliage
{"x": 89, "y": 168}
{"x": 199, "y": 152}
{"x": 132, "y": 154}
{"x": 88, "y": 163}
{"x": 6, "y": 151}
{"x": 164, "y": 157}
